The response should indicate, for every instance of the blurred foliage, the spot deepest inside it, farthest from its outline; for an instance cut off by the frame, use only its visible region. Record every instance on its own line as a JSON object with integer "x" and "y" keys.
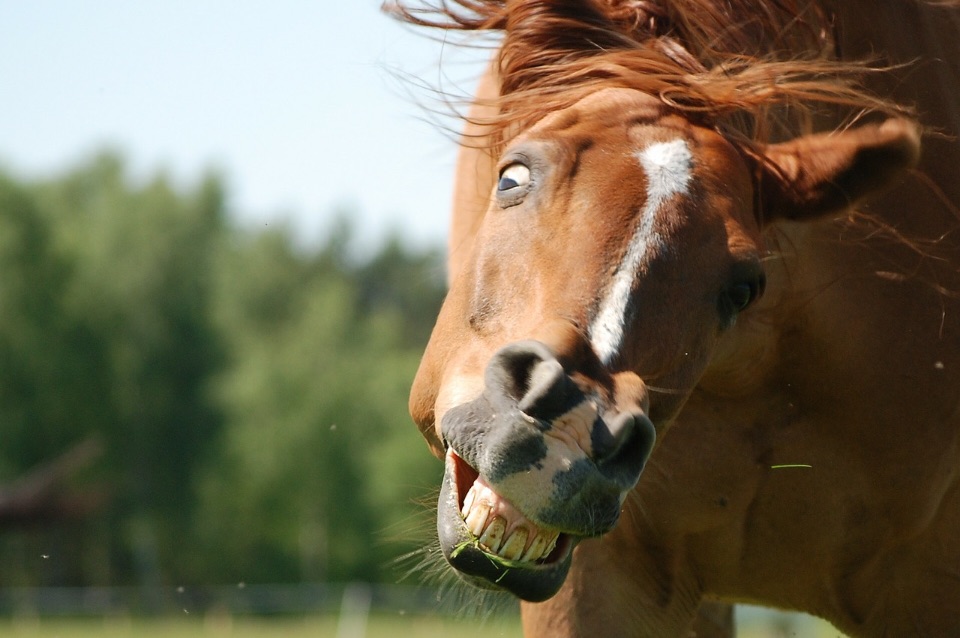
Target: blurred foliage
{"x": 250, "y": 393}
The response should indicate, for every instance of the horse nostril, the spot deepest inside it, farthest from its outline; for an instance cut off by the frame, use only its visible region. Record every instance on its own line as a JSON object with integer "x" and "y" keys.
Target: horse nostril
{"x": 607, "y": 439}
{"x": 529, "y": 376}
{"x": 548, "y": 390}
{"x": 622, "y": 446}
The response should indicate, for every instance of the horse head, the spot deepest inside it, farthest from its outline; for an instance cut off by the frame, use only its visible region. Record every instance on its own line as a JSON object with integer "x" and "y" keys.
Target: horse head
{"x": 615, "y": 268}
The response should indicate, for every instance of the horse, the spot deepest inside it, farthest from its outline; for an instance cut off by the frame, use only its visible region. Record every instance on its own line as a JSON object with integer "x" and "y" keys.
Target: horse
{"x": 701, "y": 343}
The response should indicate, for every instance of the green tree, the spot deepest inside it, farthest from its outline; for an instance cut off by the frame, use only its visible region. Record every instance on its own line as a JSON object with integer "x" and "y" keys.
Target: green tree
{"x": 44, "y": 351}
{"x": 317, "y": 385}
{"x": 249, "y": 392}
{"x": 120, "y": 345}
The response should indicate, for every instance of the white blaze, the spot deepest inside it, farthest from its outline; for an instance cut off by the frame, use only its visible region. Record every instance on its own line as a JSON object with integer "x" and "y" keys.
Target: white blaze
{"x": 668, "y": 166}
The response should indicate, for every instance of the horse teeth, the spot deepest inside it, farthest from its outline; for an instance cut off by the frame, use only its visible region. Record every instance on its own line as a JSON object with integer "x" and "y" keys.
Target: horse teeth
{"x": 542, "y": 545}
{"x": 484, "y": 520}
{"x": 512, "y": 549}
{"x": 476, "y": 520}
{"x": 551, "y": 543}
{"x": 535, "y": 550}
{"x": 493, "y": 535}
{"x": 468, "y": 502}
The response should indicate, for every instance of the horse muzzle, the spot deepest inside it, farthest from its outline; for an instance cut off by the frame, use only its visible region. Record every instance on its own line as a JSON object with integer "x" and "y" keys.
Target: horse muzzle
{"x": 542, "y": 458}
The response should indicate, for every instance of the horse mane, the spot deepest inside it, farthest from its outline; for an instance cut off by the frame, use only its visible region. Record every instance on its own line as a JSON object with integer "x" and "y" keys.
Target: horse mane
{"x": 758, "y": 69}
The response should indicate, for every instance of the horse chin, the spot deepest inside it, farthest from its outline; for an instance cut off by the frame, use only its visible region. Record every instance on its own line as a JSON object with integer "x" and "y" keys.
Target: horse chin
{"x": 533, "y": 581}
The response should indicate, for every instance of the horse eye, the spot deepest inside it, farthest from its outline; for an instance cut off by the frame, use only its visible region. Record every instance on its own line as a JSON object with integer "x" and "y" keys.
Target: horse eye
{"x": 742, "y": 294}
{"x": 513, "y": 176}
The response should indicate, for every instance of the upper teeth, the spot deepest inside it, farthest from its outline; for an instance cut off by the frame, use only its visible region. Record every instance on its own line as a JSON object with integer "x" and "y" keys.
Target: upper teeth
{"x": 501, "y": 530}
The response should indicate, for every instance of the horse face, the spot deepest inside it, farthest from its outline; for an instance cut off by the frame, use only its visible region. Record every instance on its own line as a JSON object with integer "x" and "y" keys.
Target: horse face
{"x": 620, "y": 243}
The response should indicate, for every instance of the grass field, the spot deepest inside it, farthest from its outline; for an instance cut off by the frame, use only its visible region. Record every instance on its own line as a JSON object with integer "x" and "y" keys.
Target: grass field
{"x": 378, "y": 626}
{"x": 224, "y": 627}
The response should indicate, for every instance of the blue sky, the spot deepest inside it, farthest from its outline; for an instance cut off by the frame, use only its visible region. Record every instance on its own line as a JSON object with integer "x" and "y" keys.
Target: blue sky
{"x": 296, "y": 103}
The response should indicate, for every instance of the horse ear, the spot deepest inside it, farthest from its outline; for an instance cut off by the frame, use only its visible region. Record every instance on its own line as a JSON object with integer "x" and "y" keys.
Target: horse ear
{"x": 815, "y": 175}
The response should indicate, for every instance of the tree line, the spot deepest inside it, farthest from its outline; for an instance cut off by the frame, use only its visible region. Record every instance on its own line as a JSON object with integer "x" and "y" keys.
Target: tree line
{"x": 239, "y": 398}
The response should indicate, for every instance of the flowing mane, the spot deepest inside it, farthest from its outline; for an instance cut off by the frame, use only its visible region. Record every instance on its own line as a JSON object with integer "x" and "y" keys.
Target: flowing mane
{"x": 754, "y": 69}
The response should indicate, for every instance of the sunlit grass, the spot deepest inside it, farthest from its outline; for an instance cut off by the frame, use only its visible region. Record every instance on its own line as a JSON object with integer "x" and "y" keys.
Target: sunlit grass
{"x": 213, "y": 626}
{"x": 378, "y": 625}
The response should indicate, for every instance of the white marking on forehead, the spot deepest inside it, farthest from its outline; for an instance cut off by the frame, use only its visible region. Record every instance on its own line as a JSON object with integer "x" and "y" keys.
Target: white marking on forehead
{"x": 668, "y": 166}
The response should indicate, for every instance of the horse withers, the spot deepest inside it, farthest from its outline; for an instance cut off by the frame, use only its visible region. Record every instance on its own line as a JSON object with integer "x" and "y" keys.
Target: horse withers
{"x": 685, "y": 359}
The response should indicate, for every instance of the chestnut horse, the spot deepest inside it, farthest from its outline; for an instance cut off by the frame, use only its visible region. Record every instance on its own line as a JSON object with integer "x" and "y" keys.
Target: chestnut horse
{"x": 694, "y": 352}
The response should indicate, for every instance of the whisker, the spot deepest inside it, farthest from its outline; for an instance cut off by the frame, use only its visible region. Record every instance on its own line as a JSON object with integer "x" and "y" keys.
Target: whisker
{"x": 672, "y": 391}
{"x": 427, "y": 566}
